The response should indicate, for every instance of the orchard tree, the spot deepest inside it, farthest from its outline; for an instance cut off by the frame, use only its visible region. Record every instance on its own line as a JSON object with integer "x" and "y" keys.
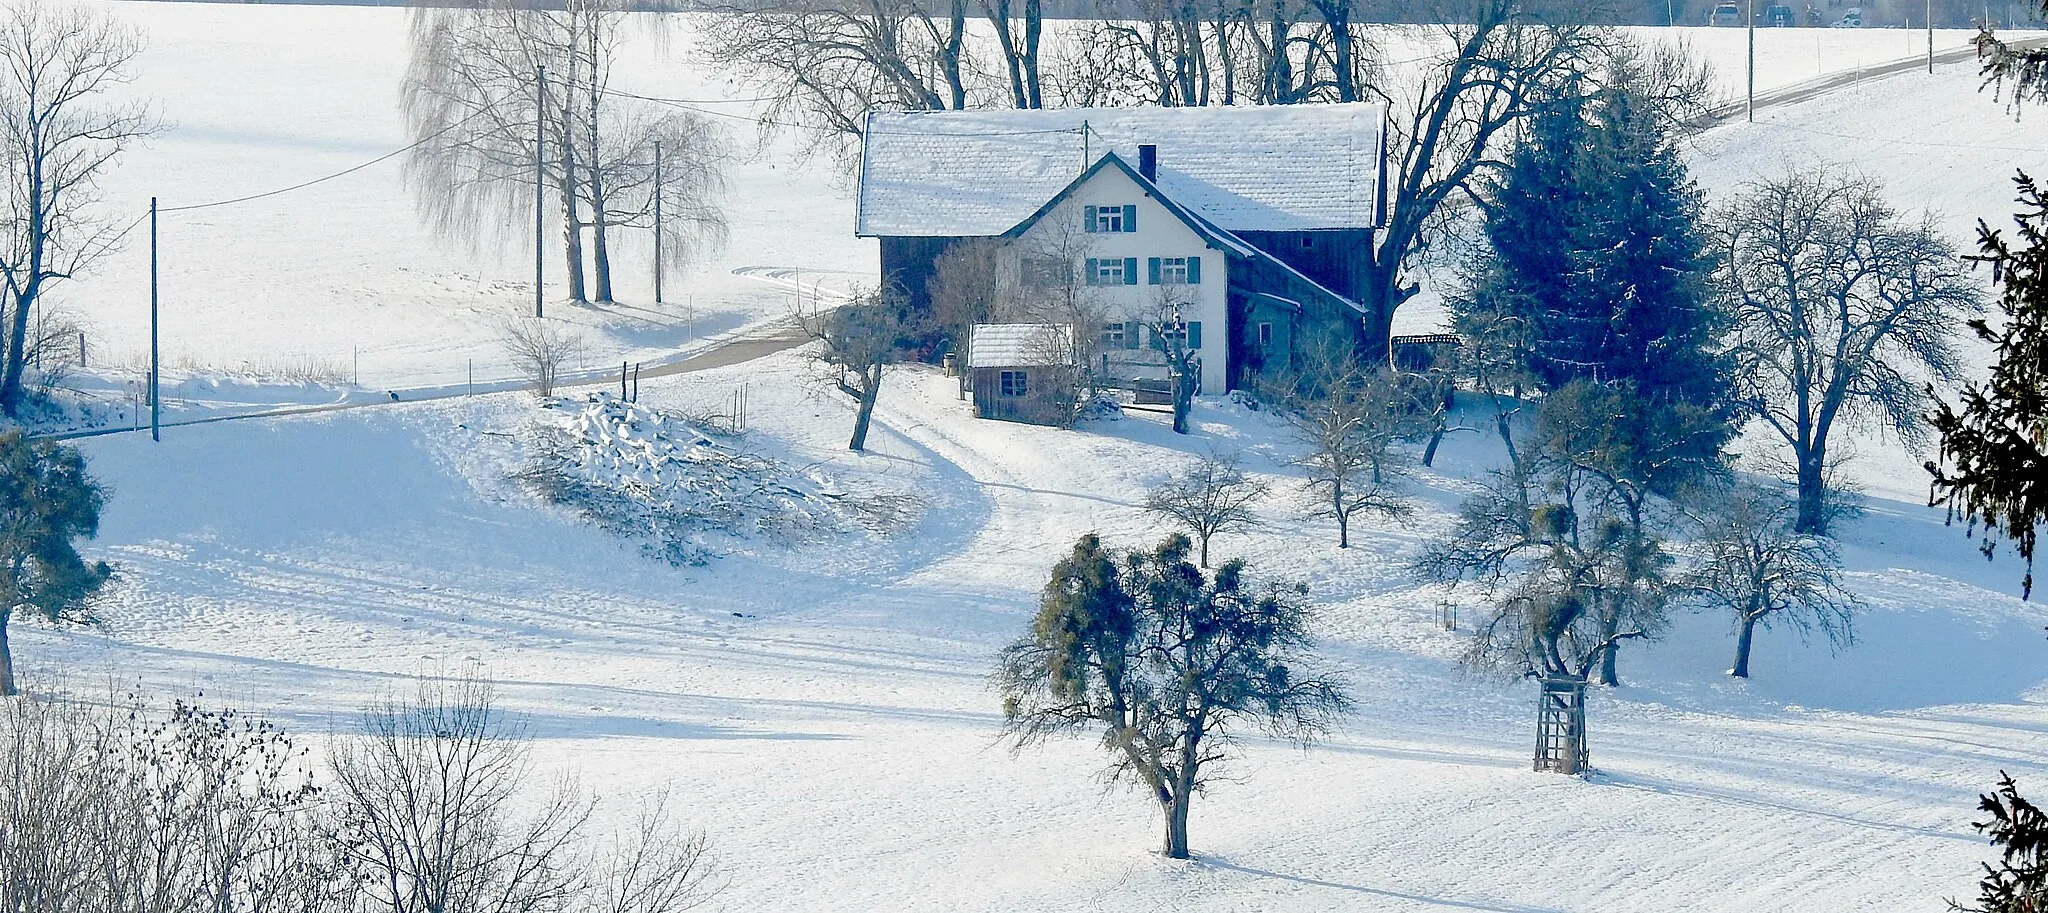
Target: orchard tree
{"x": 1210, "y": 497}
{"x": 1843, "y": 309}
{"x": 1761, "y": 571}
{"x": 1349, "y": 417}
{"x": 1168, "y": 663}
{"x": 47, "y": 504}
{"x": 856, "y": 342}
{"x": 1568, "y": 543}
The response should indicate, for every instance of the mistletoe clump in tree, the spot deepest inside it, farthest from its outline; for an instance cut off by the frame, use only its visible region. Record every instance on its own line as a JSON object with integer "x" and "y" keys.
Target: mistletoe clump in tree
{"x": 1168, "y": 663}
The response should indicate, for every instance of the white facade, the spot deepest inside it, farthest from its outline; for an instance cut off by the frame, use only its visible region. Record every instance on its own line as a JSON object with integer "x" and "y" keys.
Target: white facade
{"x": 1162, "y": 267}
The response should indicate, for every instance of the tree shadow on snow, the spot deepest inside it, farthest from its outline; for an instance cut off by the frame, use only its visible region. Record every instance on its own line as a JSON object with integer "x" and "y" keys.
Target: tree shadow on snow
{"x": 1489, "y": 906}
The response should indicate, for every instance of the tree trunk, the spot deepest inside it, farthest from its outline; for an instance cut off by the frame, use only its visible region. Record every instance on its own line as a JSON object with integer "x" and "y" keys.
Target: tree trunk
{"x": 1742, "y": 642}
{"x": 1343, "y": 516}
{"x": 16, "y": 355}
{"x": 1034, "y": 27}
{"x": 600, "y": 249}
{"x": 1183, "y": 399}
{"x": 1610, "y": 624}
{"x": 1176, "y": 810}
{"x": 1813, "y": 519}
{"x": 6, "y": 659}
{"x": 871, "y": 389}
{"x": 1205, "y": 550}
{"x": 572, "y": 217}
{"x": 1436, "y": 437}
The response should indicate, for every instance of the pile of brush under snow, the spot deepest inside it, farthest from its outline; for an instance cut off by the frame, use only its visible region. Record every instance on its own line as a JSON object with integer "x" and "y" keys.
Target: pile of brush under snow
{"x": 681, "y": 487}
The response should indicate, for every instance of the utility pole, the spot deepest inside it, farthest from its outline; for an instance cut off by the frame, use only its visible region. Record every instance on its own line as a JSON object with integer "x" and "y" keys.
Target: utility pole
{"x": 540, "y": 189}
{"x": 1749, "y": 108}
{"x": 657, "y": 222}
{"x": 1930, "y": 37}
{"x": 155, "y": 400}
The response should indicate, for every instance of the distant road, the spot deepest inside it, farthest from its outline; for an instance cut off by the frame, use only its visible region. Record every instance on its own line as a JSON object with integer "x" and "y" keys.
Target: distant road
{"x": 776, "y": 336}
{"x": 1812, "y": 88}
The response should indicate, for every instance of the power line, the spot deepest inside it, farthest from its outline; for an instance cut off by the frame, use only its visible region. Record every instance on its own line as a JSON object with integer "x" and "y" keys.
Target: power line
{"x": 486, "y": 109}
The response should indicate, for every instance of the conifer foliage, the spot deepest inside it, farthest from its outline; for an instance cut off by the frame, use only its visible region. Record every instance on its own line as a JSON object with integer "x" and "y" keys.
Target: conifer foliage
{"x": 47, "y": 503}
{"x": 1993, "y": 466}
{"x": 1596, "y": 252}
{"x": 1168, "y": 663}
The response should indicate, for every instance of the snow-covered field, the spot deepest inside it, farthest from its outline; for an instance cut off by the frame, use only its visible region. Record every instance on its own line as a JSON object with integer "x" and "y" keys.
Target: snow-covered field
{"x": 822, "y": 707}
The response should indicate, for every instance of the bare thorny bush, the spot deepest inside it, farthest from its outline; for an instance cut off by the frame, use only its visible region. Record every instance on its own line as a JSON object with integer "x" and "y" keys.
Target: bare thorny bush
{"x": 113, "y": 807}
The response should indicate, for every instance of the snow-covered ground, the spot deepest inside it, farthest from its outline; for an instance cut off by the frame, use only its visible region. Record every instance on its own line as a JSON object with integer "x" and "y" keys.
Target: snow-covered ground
{"x": 342, "y": 276}
{"x": 822, "y": 707}
{"x": 824, "y": 712}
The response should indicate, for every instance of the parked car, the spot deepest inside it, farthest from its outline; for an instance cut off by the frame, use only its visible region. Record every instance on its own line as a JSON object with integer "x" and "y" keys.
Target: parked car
{"x": 1778, "y": 16}
{"x": 1726, "y": 14}
{"x": 1852, "y": 18}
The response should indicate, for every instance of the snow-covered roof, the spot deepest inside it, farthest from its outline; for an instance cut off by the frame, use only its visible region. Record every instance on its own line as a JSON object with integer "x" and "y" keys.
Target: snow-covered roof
{"x": 1010, "y": 345}
{"x": 980, "y": 173}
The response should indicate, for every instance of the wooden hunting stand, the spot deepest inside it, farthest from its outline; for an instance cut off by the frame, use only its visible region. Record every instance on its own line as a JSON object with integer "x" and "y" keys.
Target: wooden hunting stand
{"x": 1561, "y": 725}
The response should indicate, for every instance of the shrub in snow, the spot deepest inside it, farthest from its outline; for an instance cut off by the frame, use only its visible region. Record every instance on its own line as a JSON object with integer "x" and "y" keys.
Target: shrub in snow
{"x": 681, "y": 486}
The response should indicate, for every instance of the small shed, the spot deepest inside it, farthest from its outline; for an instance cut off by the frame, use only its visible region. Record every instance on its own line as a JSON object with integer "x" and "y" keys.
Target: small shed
{"x": 1023, "y": 372}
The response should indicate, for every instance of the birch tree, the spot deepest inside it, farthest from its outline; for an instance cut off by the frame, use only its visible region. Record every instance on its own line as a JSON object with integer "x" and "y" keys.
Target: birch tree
{"x": 60, "y": 134}
{"x": 503, "y": 94}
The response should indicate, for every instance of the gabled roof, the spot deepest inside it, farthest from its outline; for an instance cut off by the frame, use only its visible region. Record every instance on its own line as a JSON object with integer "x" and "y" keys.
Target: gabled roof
{"x": 1013, "y": 345}
{"x": 978, "y": 173}
{"x": 1221, "y": 239}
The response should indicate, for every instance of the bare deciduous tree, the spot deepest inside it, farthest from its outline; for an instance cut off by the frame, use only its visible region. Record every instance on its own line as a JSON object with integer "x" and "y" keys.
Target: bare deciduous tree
{"x": 1212, "y": 496}
{"x": 826, "y": 63}
{"x": 487, "y": 83}
{"x": 1350, "y": 417}
{"x": 430, "y": 793}
{"x": 124, "y": 809}
{"x": 857, "y": 341}
{"x": 59, "y": 135}
{"x": 1757, "y": 568}
{"x": 540, "y": 349}
{"x": 1844, "y": 310}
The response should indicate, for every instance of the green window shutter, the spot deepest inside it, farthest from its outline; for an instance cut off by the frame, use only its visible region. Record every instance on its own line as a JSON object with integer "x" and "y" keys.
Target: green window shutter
{"x": 1194, "y": 271}
{"x": 1130, "y": 271}
{"x": 1091, "y": 275}
{"x": 1152, "y": 270}
{"x": 1130, "y": 217}
{"x": 1088, "y": 219}
{"x": 1194, "y": 334}
{"x": 1132, "y": 330}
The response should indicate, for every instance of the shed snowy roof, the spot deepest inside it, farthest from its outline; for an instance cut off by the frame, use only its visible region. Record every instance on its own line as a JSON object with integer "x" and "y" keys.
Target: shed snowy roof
{"x": 980, "y": 173}
{"x": 1011, "y": 345}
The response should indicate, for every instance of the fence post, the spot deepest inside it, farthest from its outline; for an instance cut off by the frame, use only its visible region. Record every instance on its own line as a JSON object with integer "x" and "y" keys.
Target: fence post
{"x": 81, "y": 349}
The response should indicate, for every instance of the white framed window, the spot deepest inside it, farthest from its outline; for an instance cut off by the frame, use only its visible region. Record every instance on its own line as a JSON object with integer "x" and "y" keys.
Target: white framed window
{"x": 1265, "y": 335}
{"x": 1111, "y": 271}
{"x": 1173, "y": 270}
{"x": 1114, "y": 219}
{"x": 1113, "y": 335}
{"x": 1015, "y": 383}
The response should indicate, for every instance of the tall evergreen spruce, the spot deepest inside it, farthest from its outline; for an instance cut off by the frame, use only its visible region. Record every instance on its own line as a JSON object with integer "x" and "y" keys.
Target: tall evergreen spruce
{"x": 1596, "y": 250}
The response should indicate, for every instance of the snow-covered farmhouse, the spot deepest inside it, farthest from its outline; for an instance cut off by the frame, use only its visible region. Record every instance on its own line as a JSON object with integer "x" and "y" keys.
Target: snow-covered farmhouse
{"x": 1239, "y": 232}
